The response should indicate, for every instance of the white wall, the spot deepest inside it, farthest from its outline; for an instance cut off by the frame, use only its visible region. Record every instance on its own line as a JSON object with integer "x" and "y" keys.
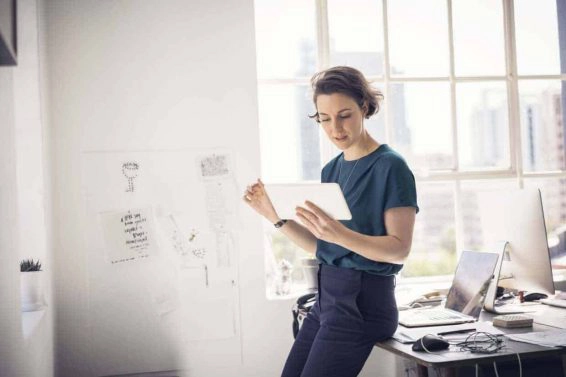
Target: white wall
{"x": 140, "y": 75}
{"x": 11, "y": 341}
{"x": 33, "y": 198}
{"x": 22, "y": 205}
{"x": 130, "y": 75}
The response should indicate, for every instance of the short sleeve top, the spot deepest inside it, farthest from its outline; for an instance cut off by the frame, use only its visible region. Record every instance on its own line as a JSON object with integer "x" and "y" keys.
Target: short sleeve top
{"x": 371, "y": 185}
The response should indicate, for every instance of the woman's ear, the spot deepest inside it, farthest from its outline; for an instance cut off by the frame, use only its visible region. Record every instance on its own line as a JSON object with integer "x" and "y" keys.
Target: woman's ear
{"x": 365, "y": 109}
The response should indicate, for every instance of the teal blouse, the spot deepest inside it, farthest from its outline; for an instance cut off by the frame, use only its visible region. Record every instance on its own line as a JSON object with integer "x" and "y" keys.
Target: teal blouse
{"x": 371, "y": 185}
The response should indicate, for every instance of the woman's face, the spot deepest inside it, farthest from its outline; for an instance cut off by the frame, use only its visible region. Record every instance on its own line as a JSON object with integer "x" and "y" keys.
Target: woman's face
{"x": 341, "y": 118}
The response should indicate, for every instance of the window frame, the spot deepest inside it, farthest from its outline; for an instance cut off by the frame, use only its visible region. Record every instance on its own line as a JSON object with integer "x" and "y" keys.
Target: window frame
{"x": 455, "y": 175}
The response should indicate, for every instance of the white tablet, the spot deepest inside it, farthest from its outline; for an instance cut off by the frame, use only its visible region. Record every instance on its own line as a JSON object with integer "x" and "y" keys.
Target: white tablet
{"x": 327, "y": 196}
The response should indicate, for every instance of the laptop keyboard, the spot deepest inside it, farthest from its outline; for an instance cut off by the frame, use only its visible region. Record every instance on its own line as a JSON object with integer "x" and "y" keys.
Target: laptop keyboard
{"x": 431, "y": 314}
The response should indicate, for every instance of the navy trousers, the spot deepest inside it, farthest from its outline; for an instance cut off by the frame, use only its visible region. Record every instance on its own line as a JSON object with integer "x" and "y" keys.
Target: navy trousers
{"x": 353, "y": 311}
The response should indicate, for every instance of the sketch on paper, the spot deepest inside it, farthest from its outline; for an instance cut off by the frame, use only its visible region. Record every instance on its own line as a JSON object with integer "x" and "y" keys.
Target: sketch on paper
{"x": 214, "y": 166}
{"x": 183, "y": 244}
{"x": 223, "y": 249}
{"x": 176, "y": 237}
{"x": 194, "y": 248}
{"x": 129, "y": 234}
{"x": 130, "y": 170}
{"x": 221, "y": 205}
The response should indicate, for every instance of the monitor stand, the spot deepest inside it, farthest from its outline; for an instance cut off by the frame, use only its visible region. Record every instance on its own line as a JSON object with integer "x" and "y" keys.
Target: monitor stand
{"x": 491, "y": 295}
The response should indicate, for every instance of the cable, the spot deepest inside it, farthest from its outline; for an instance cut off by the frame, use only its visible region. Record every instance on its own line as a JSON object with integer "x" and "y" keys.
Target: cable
{"x": 520, "y": 366}
{"x": 495, "y": 368}
{"x": 477, "y": 370}
{"x": 481, "y": 342}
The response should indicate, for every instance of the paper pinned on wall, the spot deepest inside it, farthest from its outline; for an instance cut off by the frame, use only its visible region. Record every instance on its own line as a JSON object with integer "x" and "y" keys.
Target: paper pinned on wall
{"x": 194, "y": 247}
{"x": 178, "y": 241}
{"x": 164, "y": 298}
{"x": 221, "y": 205}
{"x": 129, "y": 234}
{"x": 202, "y": 248}
{"x": 215, "y": 165}
{"x": 224, "y": 249}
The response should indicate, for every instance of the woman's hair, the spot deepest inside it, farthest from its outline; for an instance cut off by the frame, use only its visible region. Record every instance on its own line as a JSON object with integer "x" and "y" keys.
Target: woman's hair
{"x": 348, "y": 81}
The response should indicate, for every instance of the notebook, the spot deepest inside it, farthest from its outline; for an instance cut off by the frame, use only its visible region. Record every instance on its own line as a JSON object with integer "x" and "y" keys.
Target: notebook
{"x": 465, "y": 298}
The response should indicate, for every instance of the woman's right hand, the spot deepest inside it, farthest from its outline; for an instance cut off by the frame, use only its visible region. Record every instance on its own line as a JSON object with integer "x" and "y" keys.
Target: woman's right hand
{"x": 257, "y": 198}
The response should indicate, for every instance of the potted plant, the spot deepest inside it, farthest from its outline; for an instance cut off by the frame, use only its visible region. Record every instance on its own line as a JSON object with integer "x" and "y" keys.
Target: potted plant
{"x": 31, "y": 279}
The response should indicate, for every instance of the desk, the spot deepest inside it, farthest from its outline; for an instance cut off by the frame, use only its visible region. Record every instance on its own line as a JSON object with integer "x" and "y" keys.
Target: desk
{"x": 451, "y": 359}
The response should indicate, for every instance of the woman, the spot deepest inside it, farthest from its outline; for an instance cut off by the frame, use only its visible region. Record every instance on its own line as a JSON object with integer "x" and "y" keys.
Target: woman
{"x": 359, "y": 258}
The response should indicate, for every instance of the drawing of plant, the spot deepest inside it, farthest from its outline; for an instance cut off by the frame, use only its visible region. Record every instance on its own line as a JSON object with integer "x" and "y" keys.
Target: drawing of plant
{"x": 130, "y": 171}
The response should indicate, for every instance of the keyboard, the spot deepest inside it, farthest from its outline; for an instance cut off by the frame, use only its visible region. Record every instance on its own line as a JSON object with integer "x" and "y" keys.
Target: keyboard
{"x": 554, "y": 302}
{"x": 432, "y": 314}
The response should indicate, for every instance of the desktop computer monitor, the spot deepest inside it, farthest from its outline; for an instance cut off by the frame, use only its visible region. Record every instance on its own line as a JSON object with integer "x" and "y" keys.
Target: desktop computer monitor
{"x": 515, "y": 218}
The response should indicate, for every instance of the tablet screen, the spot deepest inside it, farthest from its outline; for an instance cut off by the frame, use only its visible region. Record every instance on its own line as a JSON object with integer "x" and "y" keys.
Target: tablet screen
{"x": 327, "y": 196}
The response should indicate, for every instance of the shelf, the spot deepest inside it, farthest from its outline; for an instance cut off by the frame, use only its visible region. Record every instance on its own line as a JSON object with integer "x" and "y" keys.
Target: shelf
{"x": 30, "y": 322}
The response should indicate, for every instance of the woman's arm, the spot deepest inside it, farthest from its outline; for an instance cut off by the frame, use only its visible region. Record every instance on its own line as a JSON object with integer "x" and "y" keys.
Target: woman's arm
{"x": 257, "y": 198}
{"x": 299, "y": 235}
{"x": 392, "y": 248}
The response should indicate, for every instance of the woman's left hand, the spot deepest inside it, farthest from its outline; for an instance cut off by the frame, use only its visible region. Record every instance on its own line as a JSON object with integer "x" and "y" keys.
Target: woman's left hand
{"x": 319, "y": 223}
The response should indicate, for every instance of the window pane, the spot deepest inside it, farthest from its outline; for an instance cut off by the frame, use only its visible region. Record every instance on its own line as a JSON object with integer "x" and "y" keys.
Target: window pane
{"x": 434, "y": 242}
{"x": 356, "y": 34}
{"x": 420, "y": 113}
{"x": 553, "y": 192}
{"x": 418, "y": 37}
{"x": 483, "y": 131}
{"x": 281, "y": 254}
{"x": 478, "y": 51}
{"x": 285, "y": 38}
{"x": 542, "y": 129}
{"x": 536, "y": 29}
{"x": 472, "y": 237}
{"x": 290, "y": 147}
{"x": 376, "y": 124}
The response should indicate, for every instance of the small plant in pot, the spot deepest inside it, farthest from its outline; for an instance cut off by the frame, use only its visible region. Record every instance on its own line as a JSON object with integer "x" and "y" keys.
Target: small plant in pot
{"x": 31, "y": 284}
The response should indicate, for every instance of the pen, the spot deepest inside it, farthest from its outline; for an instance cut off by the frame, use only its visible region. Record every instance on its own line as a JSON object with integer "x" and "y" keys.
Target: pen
{"x": 463, "y": 331}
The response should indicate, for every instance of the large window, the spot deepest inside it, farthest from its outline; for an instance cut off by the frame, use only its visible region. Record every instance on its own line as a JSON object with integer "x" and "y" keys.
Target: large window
{"x": 473, "y": 101}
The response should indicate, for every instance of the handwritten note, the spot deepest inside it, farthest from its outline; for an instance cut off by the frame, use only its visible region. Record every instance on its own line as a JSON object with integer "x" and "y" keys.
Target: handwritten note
{"x": 129, "y": 235}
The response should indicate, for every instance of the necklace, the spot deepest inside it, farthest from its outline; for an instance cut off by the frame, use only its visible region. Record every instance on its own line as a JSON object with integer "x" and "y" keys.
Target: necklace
{"x": 349, "y": 175}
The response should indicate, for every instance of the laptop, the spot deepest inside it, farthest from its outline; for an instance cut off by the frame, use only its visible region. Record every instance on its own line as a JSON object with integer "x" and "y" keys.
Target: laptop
{"x": 465, "y": 298}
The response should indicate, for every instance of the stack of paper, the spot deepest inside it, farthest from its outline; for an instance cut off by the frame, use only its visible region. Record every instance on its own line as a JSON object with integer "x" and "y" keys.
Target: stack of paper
{"x": 554, "y": 338}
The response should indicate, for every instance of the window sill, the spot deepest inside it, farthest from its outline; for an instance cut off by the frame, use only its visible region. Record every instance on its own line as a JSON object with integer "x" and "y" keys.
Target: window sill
{"x": 408, "y": 289}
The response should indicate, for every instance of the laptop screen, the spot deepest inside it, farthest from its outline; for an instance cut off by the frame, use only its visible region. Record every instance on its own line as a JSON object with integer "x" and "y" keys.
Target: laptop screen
{"x": 471, "y": 281}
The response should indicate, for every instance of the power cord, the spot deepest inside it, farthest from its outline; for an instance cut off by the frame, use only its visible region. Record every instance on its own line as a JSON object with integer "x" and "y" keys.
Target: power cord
{"x": 481, "y": 342}
{"x": 495, "y": 367}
